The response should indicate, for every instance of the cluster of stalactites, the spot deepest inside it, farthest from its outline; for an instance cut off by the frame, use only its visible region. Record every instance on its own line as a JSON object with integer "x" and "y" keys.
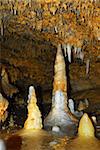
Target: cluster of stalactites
{"x": 77, "y": 52}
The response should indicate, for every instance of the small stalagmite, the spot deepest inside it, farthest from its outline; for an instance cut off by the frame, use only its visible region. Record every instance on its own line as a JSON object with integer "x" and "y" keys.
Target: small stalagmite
{"x": 34, "y": 120}
{"x": 3, "y": 107}
{"x": 86, "y": 128}
{"x": 86, "y": 139}
{"x": 7, "y": 88}
{"x": 60, "y": 114}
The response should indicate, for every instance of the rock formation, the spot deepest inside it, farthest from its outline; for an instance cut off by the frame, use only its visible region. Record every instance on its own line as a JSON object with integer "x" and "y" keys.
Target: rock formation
{"x": 34, "y": 120}
{"x": 60, "y": 115}
{"x": 86, "y": 128}
{"x": 86, "y": 139}
{"x": 71, "y": 106}
{"x": 72, "y": 23}
{"x": 83, "y": 104}
{"x": 6, "y": 87}
{"x": 3, "y": 107}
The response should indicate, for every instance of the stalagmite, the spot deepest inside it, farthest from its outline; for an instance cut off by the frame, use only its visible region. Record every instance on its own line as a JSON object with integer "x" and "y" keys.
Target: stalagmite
{"x": 60, "y": 115}
{"x": 3, "y": 107}
{"x": 34, "y": 120}
{"x": 86, "y": 128}
{"x": 7, "y": 88}
{"x": 86, "y": 139}
{"x": 78, "y": 114}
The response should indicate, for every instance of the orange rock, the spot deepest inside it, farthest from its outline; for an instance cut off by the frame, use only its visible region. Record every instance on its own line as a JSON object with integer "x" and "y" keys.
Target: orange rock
{"x": 3, "y": 107}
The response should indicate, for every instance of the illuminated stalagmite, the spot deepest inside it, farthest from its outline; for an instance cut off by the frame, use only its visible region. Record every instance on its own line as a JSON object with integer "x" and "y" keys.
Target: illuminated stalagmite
{"x": 86, "y": 128}
{"x": 3, "y": 107}
{"x": 60, "y": 116}
{"x": 85, "y": 140}
{"x": 34, "y": 120}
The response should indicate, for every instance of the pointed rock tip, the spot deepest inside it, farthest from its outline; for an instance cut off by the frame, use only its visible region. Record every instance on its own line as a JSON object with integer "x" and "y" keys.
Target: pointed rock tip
{"x": 86, "y": 128}
{"x": 31, "y": 92}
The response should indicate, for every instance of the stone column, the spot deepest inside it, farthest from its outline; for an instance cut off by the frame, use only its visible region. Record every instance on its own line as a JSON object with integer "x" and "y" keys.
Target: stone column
{"x": 60, "y": 116}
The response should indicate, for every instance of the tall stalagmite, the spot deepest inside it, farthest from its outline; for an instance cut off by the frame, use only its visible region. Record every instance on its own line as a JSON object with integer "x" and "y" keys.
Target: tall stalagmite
{"x": 60, "y": 115}
{"x": 34, "y": 120}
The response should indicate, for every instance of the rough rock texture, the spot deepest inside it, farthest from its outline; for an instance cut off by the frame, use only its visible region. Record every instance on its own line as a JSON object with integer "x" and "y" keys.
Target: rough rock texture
{"x": 30, "y": 32}
{"x": 3, "y": 108}
{"x": 60, "y": 114}
{"x": 34, "y": 120}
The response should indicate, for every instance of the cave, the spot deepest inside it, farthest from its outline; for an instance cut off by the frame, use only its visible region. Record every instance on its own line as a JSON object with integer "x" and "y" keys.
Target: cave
{"x": 31, "y": 31}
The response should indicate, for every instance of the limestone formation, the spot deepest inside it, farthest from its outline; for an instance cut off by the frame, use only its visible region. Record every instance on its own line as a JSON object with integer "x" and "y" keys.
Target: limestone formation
{"x": 3, "y": 108}
{"x": 83, "y": 104}
{"x": 71, "y": 106}
{"x": 86, "y": 128}
{"x": 6, "y": 86}
{"x": 60, "y": 115}
{"x": 34, "y": 120}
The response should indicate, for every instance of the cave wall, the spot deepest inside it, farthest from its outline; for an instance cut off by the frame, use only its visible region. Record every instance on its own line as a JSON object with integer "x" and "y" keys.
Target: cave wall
{"x": 30, "y": 33}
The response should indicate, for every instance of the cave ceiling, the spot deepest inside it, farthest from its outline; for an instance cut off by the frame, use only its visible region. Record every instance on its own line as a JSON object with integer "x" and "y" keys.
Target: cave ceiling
{"x": 31, "y": 31}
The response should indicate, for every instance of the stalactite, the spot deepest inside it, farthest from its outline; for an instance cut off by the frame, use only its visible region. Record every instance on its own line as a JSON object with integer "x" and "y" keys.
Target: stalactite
{"x": 87, "y": 66}
{"x": 81, "y": 55}
{"x": 65, "y": 49}
{"x": 69, "y": 52}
